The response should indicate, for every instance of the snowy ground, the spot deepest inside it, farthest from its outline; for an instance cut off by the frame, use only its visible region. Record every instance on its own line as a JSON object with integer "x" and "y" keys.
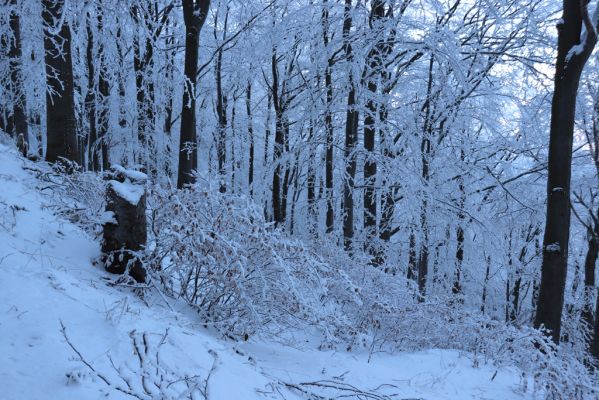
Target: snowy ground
{"x": 47, "y": 279}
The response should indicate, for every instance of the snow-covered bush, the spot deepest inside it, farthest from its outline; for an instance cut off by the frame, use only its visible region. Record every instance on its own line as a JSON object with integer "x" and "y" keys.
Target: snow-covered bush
{"x": 218, "y": 253}
{"x": 77, "y": 196}
{"x": 244, "y": 277}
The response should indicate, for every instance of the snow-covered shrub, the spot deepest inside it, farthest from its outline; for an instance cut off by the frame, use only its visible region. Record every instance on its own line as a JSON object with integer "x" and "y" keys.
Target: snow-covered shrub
{"x": 77, "y": 196}
{"x": 218, "y": 253}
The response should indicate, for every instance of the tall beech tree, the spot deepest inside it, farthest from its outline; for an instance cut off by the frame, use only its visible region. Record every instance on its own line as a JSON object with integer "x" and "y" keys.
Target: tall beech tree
{"x": 328, "y": 118}
{"x": 577, "y": 36}
{"x": 194, "y": 15}
{"x": 351, "y": 133}
{"x": 373, "y": 68}
{"x": 60, "y": 105}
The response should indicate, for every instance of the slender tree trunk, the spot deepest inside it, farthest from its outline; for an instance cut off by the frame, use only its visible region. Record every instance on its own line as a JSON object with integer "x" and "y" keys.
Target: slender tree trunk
{"x": 248, "y": 109}
{"x": 280, "y": 179}
{"x": 266, "y": 160}
{"x": 595, "y": 343}
{"x": 233, "y": 162}
{"x": 93, "y": 158}
{"x": 569, "y": 67}
{"x": 140, "y": 95}
{"x": 104, "y": 91}
{"x": 60, "y": 105}
{"x": 18, "y": 119}
{"x": 221, "y": 111}
{"x": 425, "y": 153}
{"x": 372, "y": 71}
{"x": 168, "y": 111}
{"x": 194, "y": 14}
{"x": 351, "y": 136}
{"x": 412, "y": 263}
{"x": 121, "y": 82}
{"x": 311, "y": 184}
{"x": 459, "y": 254}
{"x": 328, "y": 120}
{"x": 422, "y": 268}
{"x": 485, "y": 284}
{"x": 589, "y": 276}
{"x": 267, "y": 129}
{"x": 370, "y": 206}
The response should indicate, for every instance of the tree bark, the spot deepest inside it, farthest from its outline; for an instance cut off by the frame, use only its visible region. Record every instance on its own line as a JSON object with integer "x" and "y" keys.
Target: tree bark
{"x": 17, "y": 124}
{"x": 589, "y": 284}
{"x": 126, "y": 233}
{"x": 194, "y": 14}
{"x": 569, "y": 66}
{"x": 93, "y": 158}
{"x": 373, "y": 68}
{"x": 104, "y": 92}
{"x": 459, "y": 254}
{"x": 221, "y": 111}
{"x": 248, "y": 109}
{"x": 328, "y": 121}
{"x": 60, "y": 105}
{"x": 351, "y": 136}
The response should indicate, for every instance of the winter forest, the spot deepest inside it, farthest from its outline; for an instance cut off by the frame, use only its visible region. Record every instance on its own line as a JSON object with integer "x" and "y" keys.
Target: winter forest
{"x": 365, "y": 180}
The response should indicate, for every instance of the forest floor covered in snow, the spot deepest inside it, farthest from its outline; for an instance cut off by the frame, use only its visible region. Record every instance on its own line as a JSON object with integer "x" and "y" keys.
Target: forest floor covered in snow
{"x": 67, "y": 332}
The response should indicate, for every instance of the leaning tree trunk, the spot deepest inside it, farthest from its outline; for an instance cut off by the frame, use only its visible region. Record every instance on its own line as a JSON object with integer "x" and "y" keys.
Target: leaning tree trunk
{"x": 60, "y": 104}
{"x": 194, "y": 14}
{"x": 573, "y": 50}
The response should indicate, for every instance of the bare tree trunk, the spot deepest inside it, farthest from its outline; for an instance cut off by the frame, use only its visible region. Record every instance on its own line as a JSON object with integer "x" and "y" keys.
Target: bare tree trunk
{"x": 221, "y": 111}
{"x": 93, "y": 159}
{"x": 280, "y": 180}
{"x": 311, "y": 185}
{"x": 194, "y": 14}
{"x": 589, "y": 275}
{"x": 221, "y": 135}
{"x": 248, "y": 109}
{"x": 459, "y": 254}
{"x": 17, "y": 122}
{"x": 425, "y": 153}
{"x": 412, "y": 263}
{"x": 373, "y": 69}
{"x": 60, "y": 105}
{"x": 569, "y": 67}
{"x": 485, "y": 284}
{"x": 104, "y": 91}
{"x": 351, "y": 136}
{"x": 121, "y": 82}
{"x": 328, "y": 121}
{"x": 278, "y": 145}
{"x": 140, "y": 90}
{"x": 595, "y": 343}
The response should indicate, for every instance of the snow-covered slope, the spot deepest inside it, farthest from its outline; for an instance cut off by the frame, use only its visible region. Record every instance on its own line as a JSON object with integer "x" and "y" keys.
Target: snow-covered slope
{"x": 152, "y": 348}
